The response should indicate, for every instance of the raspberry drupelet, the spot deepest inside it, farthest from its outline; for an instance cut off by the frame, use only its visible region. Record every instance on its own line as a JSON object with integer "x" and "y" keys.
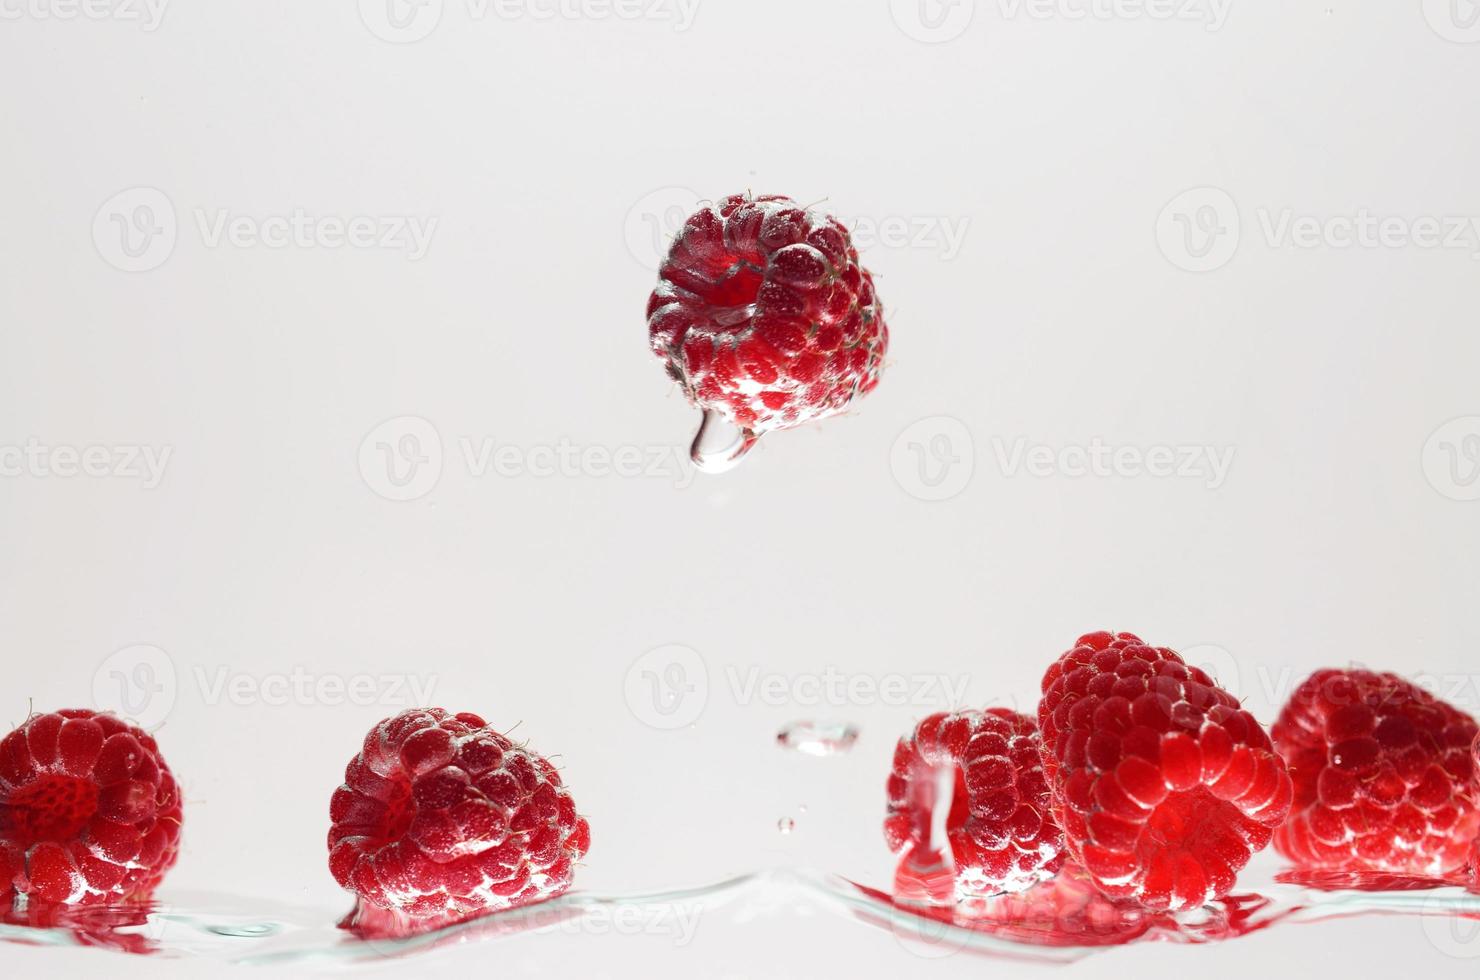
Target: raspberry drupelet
{"x": 1163, "y": 785}
{"x": 441, "y": 816}
{"x": 89, "y": 812}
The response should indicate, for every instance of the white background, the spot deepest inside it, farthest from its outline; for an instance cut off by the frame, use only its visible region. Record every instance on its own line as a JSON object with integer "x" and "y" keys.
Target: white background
{"x": 1068, "y": 313}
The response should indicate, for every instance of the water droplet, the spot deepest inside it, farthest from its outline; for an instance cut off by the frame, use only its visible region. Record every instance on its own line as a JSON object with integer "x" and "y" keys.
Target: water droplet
{"x": 786, "y": 825}
{"x": 722, "y": 459}
{"x": 817, "y": 738}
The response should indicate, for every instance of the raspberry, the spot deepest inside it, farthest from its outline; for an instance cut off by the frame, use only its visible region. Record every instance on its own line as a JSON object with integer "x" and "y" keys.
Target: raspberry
{"x": 1382, "y": 774}
{"x": 89, "y": 812}
{"x": 998, "y": 827}
{"x": 763, "y": 315}
{"x": 1163, "y": 785}
{"x": 441, "y": 816}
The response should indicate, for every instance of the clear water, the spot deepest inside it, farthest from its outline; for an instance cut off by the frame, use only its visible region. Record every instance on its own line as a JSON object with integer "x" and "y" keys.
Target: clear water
{"x": 1061, "y": 921}
{"x": 818, "y": 738}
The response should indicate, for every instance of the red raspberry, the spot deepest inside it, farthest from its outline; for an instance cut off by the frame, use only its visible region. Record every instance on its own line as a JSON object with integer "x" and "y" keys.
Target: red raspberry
{"x": 1163, "y": 785}
{"x": 1382, "y": 775}
{"x": 764, "y": 315}
{"x": 440, "y": 815}
{"x": 89, "y": 812}
{"x": 998, "y": 827}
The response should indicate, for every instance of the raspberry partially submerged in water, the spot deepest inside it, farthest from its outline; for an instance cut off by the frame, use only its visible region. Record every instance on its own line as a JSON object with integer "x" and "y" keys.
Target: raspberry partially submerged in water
{"x": 1383, "y": 776}
{"x": 89, "y": 812}
{"x": 999, "y": 831}
{"x": 764, "y": 315}
{"x": 1164, "y": 786}
{"x": 441, "y": 816}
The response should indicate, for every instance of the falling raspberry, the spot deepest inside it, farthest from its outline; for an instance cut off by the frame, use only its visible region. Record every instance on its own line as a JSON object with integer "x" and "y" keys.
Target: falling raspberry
{"x": 1163, "y": 785}
{"x": 440, "y": 816}
{"x": 1383, "y": 777}
{"x": 764, "y": 316}
{"x": 998, "y": 829}
{"x": 89, "y": 812}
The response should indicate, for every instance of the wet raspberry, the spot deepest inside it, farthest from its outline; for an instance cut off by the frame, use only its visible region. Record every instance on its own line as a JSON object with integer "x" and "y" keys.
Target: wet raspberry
{"x": 1163, "y": 785}
{"x": 1000, "y": 834}
{"x": 1383, "y": 776}
{"x": 764, "y": 314}
{"x": 89, "y": 812}
{"x": 441, "y": 816}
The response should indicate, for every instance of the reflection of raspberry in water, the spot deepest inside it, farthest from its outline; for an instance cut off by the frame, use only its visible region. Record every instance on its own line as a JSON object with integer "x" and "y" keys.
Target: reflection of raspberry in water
{"x": 764, "y": 316}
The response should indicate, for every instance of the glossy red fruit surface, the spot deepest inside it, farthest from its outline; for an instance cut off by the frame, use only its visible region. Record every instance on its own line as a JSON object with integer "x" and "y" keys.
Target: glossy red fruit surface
{"x": 1383, "y": 776}
{"x": 441, "y": 816}
{"x": 89, "y": 812}
{"x": 764, "y": 314}
{"x": 1163, "y": 785}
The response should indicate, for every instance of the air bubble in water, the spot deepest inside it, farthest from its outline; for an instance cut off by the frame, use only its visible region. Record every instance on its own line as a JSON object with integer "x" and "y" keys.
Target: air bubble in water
{"x": 786, "y": 825}
{"x": 817, "y": 738}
